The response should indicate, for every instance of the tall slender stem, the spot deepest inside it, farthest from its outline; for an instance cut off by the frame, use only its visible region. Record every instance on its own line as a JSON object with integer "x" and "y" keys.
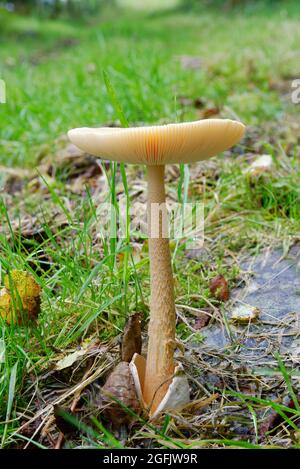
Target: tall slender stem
{"x": 160, "y": 356}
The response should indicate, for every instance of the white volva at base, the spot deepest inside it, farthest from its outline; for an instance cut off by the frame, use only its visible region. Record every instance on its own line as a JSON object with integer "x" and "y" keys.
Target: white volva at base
{"x": 178, "y": 394}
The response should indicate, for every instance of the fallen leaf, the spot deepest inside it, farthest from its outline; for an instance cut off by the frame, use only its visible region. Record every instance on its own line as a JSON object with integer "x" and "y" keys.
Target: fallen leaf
{"x": 218, "y": 287}
{"x": 12, "y": 180}
{"x": 202, "y": 320}
{"x": 209, "y": 112}
{"x": 273, "y": 419}
{"x": 70, "y": 163}
{"x": 68, "y": 360}
{"x": 20, "y": 298}
{"x": 132, "y": 338}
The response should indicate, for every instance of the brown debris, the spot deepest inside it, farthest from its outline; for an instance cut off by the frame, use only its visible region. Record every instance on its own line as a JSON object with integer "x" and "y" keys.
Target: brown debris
{"x": 13, "y": 180}
{"x": 202, "y": 320}
{"x": 73, "y": 162}
{"x": 274, "y": 419}
{"x": 62, "y": 424}
{"x": 132, "y": 338}
{"x": 199, "y": 103}
{"x": 209, "y": 112}
{"x": 218, "y": 287}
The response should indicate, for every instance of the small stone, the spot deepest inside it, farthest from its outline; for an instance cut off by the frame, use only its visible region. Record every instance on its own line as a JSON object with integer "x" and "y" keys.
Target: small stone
{"x": 245, "y": 313}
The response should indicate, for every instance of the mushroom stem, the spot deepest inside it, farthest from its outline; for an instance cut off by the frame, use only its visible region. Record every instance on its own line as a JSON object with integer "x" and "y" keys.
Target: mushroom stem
{"x": 161, "y": 332}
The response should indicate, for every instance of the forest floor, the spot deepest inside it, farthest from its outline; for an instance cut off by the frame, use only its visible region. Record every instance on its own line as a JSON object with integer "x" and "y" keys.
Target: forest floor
{"x": 165, "y": 65}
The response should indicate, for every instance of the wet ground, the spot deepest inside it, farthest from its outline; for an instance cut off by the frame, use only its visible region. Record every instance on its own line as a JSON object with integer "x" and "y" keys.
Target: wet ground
{"x": 272, "y": 285}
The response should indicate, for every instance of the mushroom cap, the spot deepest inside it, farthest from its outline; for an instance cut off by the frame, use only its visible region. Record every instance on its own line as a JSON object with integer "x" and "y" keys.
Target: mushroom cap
{"x": 160, "y": 144}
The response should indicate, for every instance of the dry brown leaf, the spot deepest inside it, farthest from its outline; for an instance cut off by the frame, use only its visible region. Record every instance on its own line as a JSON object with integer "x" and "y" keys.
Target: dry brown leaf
{"x": 202, "y": 320}
{"x": 209, "y": 112}
{"x": 132, "y": 338}
{"x": 12, "y": 180}
{"x": 218, "y": 287}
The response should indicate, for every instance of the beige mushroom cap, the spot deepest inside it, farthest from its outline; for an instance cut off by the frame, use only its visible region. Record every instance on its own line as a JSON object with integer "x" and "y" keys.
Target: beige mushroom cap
{"x": 160, "y": 144}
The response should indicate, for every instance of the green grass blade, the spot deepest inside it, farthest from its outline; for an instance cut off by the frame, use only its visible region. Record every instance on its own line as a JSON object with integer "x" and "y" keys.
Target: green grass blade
{"x": 10, "y": 399}
{"x": 109, "y": 437}
{"x": 114, "y": 100}
{"x": 287, "y": 379}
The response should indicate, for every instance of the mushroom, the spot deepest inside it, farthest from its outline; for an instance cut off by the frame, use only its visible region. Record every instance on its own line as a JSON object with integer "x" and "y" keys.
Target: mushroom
{"x": 158, "y": 379}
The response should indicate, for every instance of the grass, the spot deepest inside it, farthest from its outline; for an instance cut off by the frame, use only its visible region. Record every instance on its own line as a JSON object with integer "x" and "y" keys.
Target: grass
{"x": 126, "y": 67}
{"x": 140, "y": 57}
